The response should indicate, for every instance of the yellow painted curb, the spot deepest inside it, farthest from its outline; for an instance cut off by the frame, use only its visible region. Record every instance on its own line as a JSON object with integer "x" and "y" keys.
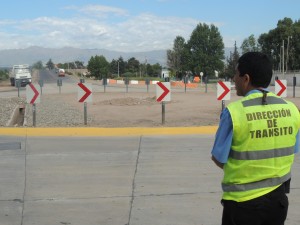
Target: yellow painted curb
{"x": 96, "y": 131}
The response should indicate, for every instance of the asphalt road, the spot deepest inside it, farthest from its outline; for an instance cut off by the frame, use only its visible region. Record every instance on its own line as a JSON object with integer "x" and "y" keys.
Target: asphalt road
{"x": 136, "y": 179}
{"x": 51, "y": 77}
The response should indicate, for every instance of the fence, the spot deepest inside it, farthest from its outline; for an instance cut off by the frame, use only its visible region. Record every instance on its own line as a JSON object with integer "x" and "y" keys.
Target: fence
{"x": 289, "y": 76}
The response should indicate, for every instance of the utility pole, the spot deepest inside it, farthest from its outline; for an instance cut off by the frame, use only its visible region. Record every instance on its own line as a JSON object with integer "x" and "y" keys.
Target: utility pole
{"x": 118, "y": 69}
{"x": 146, "y": 66}
{"x": 287, "y": 53}
{"x": 283, "y": 58}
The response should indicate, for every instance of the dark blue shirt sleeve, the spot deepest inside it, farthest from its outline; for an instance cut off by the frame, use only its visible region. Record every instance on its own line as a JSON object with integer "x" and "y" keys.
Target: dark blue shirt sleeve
{"x": 223, "y": 139}
{"x": 297, "y": 143}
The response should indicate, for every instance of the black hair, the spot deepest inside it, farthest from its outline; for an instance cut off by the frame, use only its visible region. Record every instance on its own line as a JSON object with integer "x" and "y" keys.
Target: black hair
{"x": 258, "y": 66}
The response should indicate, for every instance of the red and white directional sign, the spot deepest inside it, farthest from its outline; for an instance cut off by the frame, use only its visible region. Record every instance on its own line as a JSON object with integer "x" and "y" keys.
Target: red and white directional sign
{"x": 163, "y": 91}
{"x": 280, "y": 88}
{"x": 84, "y": 92}
{"x": 223, "y": 90}
{"x": 33, "y": 93}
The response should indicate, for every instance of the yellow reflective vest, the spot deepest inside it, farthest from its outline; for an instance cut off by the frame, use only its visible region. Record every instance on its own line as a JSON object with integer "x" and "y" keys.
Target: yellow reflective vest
{"x": 262, "y": 150}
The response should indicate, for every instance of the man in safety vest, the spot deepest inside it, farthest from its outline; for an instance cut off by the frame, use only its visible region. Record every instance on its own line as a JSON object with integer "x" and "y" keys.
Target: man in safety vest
{"x": 255, "y": 145}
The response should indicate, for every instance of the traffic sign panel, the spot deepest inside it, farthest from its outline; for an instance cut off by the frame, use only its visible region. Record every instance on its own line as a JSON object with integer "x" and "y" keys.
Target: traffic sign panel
{"x": 84, "y": 92}
{"x": 163, "y": 92}
{"x": 32, "y": 93}
{"x": 223, "y": 90}
{"x": 280, "y": 88}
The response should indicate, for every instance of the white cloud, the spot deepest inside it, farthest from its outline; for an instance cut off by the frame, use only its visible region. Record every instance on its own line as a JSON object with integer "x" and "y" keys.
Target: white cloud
{"x": 55, "y": 33}
{"x": 151, "y": 32}
{"x": 100, "y": 10}
{"x": 142, "y": 32}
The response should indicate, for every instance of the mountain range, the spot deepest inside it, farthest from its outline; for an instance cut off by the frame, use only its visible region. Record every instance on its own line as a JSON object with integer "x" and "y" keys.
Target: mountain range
{"x": 34, "y": 54}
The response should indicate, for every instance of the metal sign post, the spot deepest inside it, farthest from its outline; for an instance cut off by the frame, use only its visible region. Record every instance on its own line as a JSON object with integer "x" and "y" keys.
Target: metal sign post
{"x": 223, "y": 105}
{"x": 32, "y": 97}
{"x": 294, "y": 86}
{"x": 147, "y": 81}
{"x": 163, "y": 108}
{"x": 223, "y": 92}
{"x": 33, "y": 115}
{"x": 18, "y": 83}
{"x": 104, "y": 83}
{"x": 85, "y": 96}
{"x": 41, "y": 83}
{"x": 163, "y": 94}
{"x": 185, "y": 82}
{"x": 85, "y": 113}
{"x": 201, "y": 75}
{"x": 126, "y": 83}
{"x": 59, "y": 84}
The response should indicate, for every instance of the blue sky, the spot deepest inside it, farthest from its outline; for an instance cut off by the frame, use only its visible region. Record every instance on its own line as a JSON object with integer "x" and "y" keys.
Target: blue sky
{"x": 134, "y": 25}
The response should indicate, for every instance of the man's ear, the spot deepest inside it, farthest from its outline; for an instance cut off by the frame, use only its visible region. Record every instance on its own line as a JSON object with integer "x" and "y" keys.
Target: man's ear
{"x": 247, "y": 80}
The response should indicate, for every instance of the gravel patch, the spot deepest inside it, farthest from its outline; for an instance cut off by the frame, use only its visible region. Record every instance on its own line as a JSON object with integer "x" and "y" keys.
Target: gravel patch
{"x": 54, "y": 112}
{"x": 130, "y": 101}
{"x": 7, "y": 107}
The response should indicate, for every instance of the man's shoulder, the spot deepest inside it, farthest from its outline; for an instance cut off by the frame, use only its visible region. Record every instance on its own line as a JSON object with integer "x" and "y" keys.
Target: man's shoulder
{"x": 236, "y": 103}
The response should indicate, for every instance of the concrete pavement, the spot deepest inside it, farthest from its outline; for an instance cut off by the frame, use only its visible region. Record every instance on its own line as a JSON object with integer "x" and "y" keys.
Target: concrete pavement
{"x": 136, "y": 179}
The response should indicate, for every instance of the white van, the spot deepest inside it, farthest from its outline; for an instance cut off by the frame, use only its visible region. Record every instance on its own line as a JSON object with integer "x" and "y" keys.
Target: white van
{"x": 61, "y": 72}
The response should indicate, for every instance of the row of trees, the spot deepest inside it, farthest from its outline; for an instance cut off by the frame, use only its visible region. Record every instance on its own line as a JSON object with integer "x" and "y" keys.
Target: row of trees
{"x": 99, "y": 67}
{"x": 50, "y": 65}
{"x": 204, "y": 51}
{"x": 282, "y": 44}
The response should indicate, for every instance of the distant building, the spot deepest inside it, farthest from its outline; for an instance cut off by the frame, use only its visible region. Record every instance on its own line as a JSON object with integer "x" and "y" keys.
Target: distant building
{"x": 165, "y": 73}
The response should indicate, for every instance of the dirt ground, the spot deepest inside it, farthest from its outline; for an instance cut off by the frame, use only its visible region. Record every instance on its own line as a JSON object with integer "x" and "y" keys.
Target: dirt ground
{"x": 194, "y": 107}
{"x": 142, "y": 109}
{"x": 186, "y": 109}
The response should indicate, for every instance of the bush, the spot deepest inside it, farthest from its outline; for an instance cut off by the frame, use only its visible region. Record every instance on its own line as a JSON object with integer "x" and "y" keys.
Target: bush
{"x": 4, "y": 75}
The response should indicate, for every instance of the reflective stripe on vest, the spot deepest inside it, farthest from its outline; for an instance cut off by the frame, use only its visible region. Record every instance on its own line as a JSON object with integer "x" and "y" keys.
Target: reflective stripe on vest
{"x": 265, "y": 154}
{"x": 271, "y": 100}
{"x": 271, "y": 182}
